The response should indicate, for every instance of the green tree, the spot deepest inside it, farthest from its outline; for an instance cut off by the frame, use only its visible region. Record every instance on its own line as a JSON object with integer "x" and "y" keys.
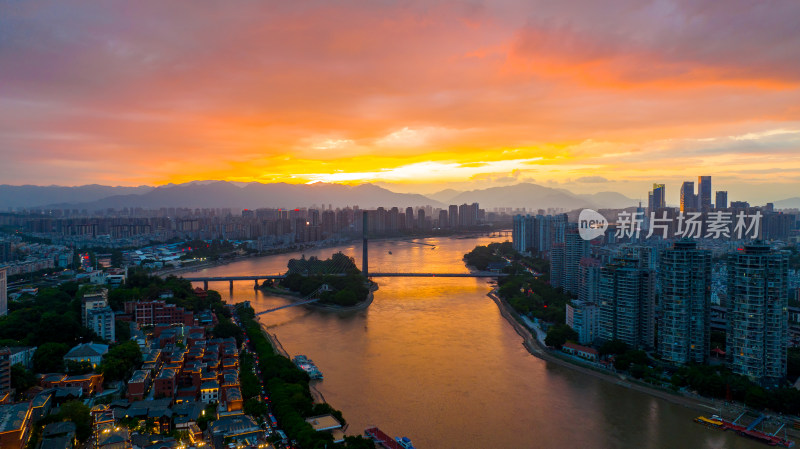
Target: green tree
{"x": 121, "y": 360}
{"x": 559, "y": 334}
{"x": 209, "y": 415}
{"x": 793, "y": 363}
{"x": 116, "y": 258}
{"x": 256, "y": 408}
{"x": 358, "y": 442}
{"x": 74, "y": 368}
{"x": 345, "y": 298}
{"x": 226, "y": 329}
{"x": 49, "y": 357}
{"x": 21, "y": 378}
{"x": 625, "y": 360}
{"x": 122, "y": 330}
{"x": 78, "y": 413}
{"x": 59, "y": 327}
{"x": 613, "y": 347}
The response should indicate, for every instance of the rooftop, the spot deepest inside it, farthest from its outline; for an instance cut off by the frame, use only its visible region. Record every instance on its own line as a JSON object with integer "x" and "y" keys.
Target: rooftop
{"x": 58, "y": 428}
{"x": 87, "y": 350}
{"x": 210, "y": 385}
{"x": 166, "y": 374}
{"x": 139, "y": 376}
{"x": 12, "y": 416}
{"x": 324, "y": 422}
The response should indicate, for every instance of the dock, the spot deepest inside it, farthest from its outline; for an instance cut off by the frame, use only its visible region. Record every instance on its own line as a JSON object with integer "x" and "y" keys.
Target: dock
{"x": 385, "y": 441}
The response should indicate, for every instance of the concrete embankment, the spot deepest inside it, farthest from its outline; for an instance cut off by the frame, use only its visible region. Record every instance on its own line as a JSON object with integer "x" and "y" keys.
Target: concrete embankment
{"x": 273, "y": 341}
{"x": 535, "y": 347}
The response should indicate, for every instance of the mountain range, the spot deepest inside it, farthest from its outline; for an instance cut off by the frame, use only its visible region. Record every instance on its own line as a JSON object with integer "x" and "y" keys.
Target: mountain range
{"x": 235, "y": 195}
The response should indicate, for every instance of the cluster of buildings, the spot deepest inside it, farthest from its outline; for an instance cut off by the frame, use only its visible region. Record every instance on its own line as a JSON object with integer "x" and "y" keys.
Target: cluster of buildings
{"x": 270, "y": 227}
{"x": 18, "y": 257}
{"x": 666, "y": 295}
{"x": 183, "y": 371}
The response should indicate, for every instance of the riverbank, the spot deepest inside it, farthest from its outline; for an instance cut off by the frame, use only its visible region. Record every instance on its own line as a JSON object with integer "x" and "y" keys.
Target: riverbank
{"x": 272, "y": 252}
{"x": 701, "y": 404}
{"x": 535, "y": 347}
{"x": 288, "y": 294}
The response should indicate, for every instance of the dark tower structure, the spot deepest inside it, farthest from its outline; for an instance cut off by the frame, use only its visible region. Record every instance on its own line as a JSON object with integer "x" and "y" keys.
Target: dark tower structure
{"x": 364, "y": 257}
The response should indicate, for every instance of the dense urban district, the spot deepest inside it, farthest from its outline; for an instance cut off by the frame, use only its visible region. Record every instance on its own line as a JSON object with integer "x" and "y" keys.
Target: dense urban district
{"x": 103, "y": 345}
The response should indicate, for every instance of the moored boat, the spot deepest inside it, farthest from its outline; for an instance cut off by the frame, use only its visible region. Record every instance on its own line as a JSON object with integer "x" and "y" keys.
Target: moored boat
{"x": 307, "y": 365}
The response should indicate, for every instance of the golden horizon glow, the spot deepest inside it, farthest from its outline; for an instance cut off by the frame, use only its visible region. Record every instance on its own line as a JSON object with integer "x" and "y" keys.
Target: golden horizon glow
{"x": 416, "y": 96}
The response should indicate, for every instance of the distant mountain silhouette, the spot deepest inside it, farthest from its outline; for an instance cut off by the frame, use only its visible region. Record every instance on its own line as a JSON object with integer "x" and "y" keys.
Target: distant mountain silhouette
{"x": 610, "y": 200}
{"x": 37, "y": 196}
{"x": 252, "y": 195}
{"x": 788, "y": 203}
{"x": 255, "y": 195}
{"x": 445, "y": 196}
{"x": 534, "y": 196}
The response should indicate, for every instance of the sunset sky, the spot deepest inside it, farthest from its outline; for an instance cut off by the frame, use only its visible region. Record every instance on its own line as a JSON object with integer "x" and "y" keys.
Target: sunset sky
{"x": 417, "y": 96}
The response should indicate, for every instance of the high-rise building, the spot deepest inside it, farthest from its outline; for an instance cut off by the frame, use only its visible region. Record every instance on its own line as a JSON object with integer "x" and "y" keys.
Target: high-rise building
{"x": 582, "y": 318}
{"x": 565, "y": 259}
{"x": 468, "y": 215}
{"x": 688, "y": 198}
{"x": 93, "y": 300}
{"x": 101, "y": 321}
{"x": 627, "y": 303}
{"x": 757, "y": 313}
{"x": 589, "y": 280}
{"x": 704, "y": 193}
{"x": 657, "y": 198}
{"x": 410, "y": 218}
{"x": 685, "y": 282}
{"x": 443, "y": 218}
{"x": 583, "y": 313}
{"x": 3, "y": 292}
{"x": 522, "y": 233}
{"x": 721, "y": 201}
{"x": 5, "y": 371}
{"x": 452, "y": 215}
{"x": 548, "y": 231}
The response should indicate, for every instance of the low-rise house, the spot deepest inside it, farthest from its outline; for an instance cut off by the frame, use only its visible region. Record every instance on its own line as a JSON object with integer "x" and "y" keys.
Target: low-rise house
{"x": 59, "y": 435}
{"x": 583, "y": 352}
{"x": 21, "y": 355}
{"x": 15, "y": 425}
{"x": 233, "y": 399}
{"x": 165, "y": 384}
{"x": 209, "y": 391}
{"x": 138, "y": 385}
{"x": 87, "y": 352}
{"x": 41, "y": 404}
{"x": 327, "y": 423}
{"x": 186, "y": 414}
{"x": 238, "y": 429}
{"x": 116, "y": 438}
{"x": 89, "y": 384}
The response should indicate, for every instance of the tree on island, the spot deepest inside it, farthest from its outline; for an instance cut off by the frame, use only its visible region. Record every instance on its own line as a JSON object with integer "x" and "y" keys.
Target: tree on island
{"x": 346, "y": 285}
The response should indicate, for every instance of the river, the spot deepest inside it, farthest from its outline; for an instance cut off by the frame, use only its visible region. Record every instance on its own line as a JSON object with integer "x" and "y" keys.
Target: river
{"x": 433, "y": 359}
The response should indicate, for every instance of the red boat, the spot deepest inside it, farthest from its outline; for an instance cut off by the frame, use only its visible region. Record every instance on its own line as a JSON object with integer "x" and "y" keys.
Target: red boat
{"x": 750, "y": 431}
{"x": 377, "y": 435}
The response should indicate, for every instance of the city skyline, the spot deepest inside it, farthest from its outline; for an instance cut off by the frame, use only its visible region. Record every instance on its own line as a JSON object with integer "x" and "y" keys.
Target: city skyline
{"x": 415, "y": 97}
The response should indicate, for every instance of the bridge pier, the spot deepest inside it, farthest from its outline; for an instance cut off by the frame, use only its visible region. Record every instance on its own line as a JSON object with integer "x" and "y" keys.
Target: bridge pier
{"x": 231, "y": 285}
{"x": 255, "y": 287}
{"x": 205, "y": 285}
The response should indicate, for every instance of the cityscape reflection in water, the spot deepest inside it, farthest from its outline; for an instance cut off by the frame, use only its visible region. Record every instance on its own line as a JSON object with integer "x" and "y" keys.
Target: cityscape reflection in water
{"x": 434, "y": 360}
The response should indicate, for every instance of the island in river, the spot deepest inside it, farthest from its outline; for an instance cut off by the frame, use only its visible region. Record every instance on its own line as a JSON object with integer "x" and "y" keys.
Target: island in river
{"x": 337, "y": 280}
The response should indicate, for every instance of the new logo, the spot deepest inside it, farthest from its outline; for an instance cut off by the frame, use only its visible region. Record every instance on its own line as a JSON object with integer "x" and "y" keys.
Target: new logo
{"x": 591, "y": 224}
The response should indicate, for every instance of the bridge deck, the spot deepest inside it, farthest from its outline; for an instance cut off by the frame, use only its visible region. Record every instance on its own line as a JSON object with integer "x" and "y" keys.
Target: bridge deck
{"x": 439, "y": 275}
{"x": 379, "y": 274}
{"x": 233, "y": 278}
